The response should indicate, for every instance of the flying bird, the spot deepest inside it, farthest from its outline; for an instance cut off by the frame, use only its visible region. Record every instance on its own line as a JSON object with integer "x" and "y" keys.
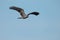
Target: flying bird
{"x": 22, "y": 13}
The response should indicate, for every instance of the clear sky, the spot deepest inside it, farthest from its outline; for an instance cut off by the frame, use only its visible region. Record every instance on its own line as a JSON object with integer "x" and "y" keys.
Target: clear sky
{"x": 46, "y": 26}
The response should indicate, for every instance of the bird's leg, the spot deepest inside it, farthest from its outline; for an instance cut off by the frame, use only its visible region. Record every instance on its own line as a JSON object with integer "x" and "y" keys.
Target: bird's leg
{"x": 19, "y": 18}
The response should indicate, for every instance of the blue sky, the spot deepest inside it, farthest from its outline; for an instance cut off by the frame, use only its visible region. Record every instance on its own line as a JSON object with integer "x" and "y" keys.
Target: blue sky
{"x": 46, "y": 26}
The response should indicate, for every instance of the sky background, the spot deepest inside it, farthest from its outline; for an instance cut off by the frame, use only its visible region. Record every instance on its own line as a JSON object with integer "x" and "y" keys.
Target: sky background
{"x": 46, "y": 26}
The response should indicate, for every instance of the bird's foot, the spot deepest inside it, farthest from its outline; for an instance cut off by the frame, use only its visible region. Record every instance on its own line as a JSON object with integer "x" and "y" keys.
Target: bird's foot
{"x": 19, "y": 18}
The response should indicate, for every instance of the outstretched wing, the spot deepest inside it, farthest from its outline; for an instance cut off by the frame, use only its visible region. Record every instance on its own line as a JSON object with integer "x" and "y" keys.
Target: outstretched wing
{"x": 20, "y": 10}
{"x": 34, "y": 13}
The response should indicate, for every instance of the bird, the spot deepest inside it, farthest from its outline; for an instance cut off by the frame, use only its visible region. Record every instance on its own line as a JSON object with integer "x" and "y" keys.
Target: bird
{"x": 22, "y": 13}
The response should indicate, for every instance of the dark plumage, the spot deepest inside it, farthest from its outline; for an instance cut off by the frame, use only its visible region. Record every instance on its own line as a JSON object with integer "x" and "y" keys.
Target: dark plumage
{"x": 22, "y": 13}
{"x": 34, "y": 13}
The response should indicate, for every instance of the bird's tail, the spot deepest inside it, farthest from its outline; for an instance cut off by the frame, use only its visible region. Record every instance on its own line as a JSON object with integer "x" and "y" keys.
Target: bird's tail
{"x": 34, "y": 13}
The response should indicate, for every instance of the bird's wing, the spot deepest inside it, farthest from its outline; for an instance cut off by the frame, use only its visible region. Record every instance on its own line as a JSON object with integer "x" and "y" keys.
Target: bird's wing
{"x": 20, "y": 10}
{"x": 34, "y": 13}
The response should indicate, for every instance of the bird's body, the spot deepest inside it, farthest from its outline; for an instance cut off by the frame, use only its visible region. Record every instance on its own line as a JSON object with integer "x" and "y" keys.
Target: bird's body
{"x": 22, "y": 13}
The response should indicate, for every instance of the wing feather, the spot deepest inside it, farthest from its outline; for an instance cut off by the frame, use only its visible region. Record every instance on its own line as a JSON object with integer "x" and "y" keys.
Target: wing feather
{"x": 20, "y": 10}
